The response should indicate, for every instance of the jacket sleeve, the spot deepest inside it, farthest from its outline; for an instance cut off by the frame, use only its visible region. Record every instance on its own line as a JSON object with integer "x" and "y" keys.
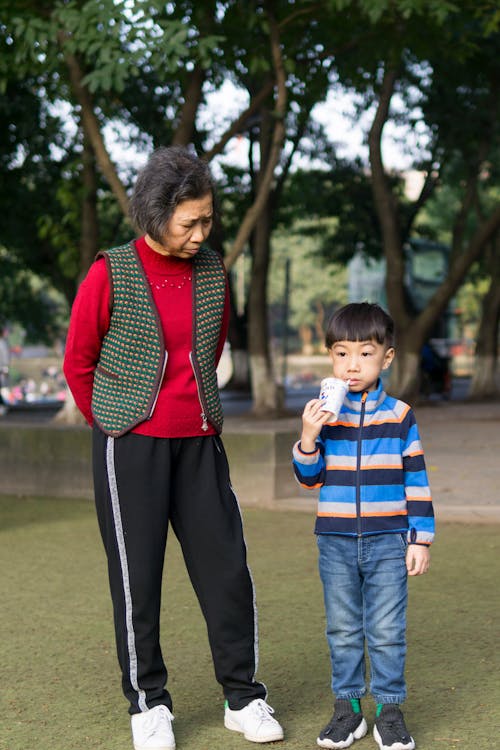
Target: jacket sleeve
{"x": 309, "y": 468}
{"x": 417, "y": 490}
{"x": 89, "y": 322}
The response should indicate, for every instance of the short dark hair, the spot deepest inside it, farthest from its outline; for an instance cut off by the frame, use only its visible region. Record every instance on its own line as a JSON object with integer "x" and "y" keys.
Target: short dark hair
{"x": 360, "y": 321}
{"x": 171, "y": 175}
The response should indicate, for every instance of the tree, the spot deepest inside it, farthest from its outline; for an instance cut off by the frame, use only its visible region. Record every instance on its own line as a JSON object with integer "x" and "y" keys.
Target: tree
{"x": 461, "y": 109}
{"x": 478, "y": 297}
{"x": 146, "y": 67}
{"x": 484, "y": 382}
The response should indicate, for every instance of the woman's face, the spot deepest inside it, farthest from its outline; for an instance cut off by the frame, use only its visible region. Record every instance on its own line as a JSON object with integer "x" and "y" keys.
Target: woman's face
{"x": 187, "y": 229}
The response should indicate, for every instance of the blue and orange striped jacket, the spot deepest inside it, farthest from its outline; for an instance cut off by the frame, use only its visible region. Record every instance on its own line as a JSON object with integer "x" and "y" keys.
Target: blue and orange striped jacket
{"x": 370, "y": 468}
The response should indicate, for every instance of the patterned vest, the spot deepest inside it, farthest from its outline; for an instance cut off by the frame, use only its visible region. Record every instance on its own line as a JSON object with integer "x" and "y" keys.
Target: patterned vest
{"x": 128, "y": 376}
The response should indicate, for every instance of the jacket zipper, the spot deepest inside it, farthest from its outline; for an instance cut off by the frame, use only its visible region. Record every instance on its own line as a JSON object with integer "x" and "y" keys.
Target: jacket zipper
{"x": 165, "y": 357}
{"x": 358, "y": 467}
{"x": 204, "y": 421}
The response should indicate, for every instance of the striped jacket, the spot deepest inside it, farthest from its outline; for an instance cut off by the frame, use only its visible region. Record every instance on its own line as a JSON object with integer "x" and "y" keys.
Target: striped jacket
{"x": 370, "y": 468}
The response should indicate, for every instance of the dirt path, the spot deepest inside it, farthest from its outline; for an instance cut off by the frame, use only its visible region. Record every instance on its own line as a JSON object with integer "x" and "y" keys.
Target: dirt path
{"x": 462, "y": 447}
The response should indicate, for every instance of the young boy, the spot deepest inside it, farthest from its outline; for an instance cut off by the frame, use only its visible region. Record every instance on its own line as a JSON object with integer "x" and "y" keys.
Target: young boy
{"x": 375, "y": 523}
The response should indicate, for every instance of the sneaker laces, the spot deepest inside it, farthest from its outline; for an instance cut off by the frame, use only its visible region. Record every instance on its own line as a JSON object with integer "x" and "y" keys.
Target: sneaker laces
{"x": 393, "y": 719}
{"x": 261, "y": 710}
{"x": 157, "y": 719}
{"x": 341, "y": 714}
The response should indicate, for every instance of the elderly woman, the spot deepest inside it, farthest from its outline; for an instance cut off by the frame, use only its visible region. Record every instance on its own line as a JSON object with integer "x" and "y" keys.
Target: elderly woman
{"x": 147, "y": 329}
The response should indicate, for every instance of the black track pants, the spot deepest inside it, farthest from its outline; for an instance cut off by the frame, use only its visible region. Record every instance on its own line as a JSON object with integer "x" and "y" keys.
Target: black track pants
{"x": 142, "y": 484}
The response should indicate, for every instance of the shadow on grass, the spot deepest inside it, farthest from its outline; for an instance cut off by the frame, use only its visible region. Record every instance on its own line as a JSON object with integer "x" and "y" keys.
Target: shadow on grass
{"x": 61, "y": 687}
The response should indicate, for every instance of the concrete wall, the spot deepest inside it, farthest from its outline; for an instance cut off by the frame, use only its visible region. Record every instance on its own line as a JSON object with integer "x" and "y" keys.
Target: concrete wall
{"x": 55, "y": 461}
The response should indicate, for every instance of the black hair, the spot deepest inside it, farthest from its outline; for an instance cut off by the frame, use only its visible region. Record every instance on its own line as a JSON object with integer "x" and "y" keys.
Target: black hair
{"x": 171, "y": 175}
{"x": 360, "y": 321}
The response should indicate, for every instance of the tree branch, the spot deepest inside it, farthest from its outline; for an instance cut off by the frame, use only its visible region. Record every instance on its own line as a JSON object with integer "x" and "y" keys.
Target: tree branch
{"x": 385, "y": 202}
{"x": 278, "y": 138}
{"x": 438, "y": 302}
{"x": 239, "y": 124}
{"x": 185, "y": 129}
{"x": 93, "y": 130}
{"x": 430, "y": 183}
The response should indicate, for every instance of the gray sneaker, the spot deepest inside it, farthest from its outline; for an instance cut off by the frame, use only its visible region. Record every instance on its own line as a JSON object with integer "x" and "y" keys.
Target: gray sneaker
{"x": 344, "y": 727}
{"x": 390, "y": 730}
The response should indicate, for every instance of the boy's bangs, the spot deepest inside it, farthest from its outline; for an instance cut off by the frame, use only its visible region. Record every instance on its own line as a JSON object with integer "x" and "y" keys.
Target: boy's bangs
{"x": 362, "y": 330}
{"x": 360, "y": 322}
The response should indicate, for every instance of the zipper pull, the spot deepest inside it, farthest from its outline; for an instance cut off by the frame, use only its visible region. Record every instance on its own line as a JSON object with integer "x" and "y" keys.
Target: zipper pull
{"x": 204, "y": 425}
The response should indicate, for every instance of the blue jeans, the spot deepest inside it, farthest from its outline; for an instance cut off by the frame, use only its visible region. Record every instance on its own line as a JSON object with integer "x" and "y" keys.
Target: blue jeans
{"x": 365, "y": 591}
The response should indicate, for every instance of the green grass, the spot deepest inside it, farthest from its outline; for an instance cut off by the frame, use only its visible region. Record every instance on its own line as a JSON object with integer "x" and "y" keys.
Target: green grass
{"x": 60, "y": 688}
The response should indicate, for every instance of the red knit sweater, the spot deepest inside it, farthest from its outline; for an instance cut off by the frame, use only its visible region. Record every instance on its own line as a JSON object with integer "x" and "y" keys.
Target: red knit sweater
{"x": 178, "y": 411}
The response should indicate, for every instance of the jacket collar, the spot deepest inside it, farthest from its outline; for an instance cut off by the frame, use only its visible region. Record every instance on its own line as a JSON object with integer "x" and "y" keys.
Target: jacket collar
{"x": 373, "y": 399}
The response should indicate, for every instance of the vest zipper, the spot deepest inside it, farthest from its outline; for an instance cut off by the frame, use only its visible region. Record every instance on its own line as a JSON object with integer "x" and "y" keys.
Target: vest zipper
{"x": 165, "y": 357}
{"x": 358, "y": 467}
{"x": 204, "y": 420}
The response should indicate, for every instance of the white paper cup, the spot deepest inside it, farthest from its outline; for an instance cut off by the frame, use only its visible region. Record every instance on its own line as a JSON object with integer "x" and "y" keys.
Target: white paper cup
{"x": 333, "y": 392}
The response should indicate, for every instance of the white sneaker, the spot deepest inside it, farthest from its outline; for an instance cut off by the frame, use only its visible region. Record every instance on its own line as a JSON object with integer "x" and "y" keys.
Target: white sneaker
{"x": 152, "y": 730}
{"x": 254, "y": 721}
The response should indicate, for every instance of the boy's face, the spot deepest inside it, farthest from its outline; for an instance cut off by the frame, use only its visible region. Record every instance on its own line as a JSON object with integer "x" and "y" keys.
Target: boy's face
{"x": 360, "y": 362}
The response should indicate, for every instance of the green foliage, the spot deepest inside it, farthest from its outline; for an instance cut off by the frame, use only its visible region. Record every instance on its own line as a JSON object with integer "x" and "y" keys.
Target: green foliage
{"x": 138, "y": 57}
{"x": 317, "y": 286}
{"x": 375, "y": 10}
{"x": 29, "y": 301}
{"x": 343, "y": 194}
{"x": 115, "y": 40}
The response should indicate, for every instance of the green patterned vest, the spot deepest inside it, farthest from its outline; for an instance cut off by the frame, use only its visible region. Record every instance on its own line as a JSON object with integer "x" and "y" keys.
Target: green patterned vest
{"x": 132, "y": 362}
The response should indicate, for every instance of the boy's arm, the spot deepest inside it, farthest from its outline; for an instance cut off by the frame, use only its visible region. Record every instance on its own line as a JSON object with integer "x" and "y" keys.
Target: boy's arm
{"x": 418, "y": 494}
{"x": 308, "y": 460}
{"x": 313, "y": 419}
{"x": 418, "y": 559}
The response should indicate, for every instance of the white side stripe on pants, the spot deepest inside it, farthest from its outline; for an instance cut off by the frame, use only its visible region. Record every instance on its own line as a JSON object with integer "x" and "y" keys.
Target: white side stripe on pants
{"x": 115, "y": 504}
{"x": 255, "y": 614}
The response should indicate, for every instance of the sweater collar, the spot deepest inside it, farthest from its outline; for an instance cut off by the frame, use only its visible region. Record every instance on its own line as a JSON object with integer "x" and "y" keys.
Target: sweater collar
{"x": 154, "y": 262}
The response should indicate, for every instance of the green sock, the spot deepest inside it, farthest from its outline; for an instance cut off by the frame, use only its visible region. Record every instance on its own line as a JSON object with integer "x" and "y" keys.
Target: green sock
{"x": 226, "y": 704}
{"x": 379, "y": 708}
{"x": 356, "y": 706}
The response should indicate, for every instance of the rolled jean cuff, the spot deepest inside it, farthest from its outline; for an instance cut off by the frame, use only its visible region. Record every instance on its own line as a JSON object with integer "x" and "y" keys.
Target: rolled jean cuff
{"x": 353, "y": 695}
{"x": 396, "y": 700}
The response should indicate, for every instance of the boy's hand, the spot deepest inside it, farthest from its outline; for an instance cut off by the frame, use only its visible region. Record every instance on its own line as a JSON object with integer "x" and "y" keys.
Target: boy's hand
{"x": 418, "y": 559}
{"x": 313, "y": 420}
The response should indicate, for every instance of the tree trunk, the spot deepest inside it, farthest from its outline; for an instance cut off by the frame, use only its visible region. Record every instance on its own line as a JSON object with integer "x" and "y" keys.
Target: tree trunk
{"x": 89, "y": 238}
{"x": 387, "y": 207}
{"x": 93, "y": 129}
{"x": 306, "y": 340}
{"x": 69, "y": 414}
{"x": 238, "y": 339}
{"x": 89, "y": 233}
{"x": 404, "y": 380}
{"x": 266, "y": 395}
{"x": 483, "y": 384}
{"x": 186, "y": 127}
{"x": 274, "y": 150}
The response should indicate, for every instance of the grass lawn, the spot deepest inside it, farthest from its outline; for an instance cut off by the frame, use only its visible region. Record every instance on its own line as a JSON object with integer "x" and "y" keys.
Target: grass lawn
{"x": 60, "y": 684}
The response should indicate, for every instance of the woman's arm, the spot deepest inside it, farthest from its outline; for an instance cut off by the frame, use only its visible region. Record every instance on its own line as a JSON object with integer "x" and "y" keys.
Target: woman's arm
{"x": 88, "y": 325}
